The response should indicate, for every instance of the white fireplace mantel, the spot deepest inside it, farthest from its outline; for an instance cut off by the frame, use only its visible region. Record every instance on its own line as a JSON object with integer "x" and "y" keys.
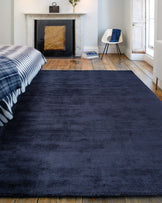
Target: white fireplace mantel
{"x": 57, "y": 14}
{"x": 79, "y": 38}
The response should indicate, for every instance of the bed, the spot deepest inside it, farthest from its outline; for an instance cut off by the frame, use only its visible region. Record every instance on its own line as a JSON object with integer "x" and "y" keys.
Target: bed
{"x": 18, "y": 67}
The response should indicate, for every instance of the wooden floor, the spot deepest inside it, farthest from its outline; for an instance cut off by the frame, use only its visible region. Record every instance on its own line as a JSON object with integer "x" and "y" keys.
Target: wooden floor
{"x": 110, "y": 62}
{"x": 83, "y": 200}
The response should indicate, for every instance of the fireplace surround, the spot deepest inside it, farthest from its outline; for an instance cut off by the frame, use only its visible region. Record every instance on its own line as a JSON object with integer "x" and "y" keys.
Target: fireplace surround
{"x": 78, "y": 19}
{"x": 55, "y": 38}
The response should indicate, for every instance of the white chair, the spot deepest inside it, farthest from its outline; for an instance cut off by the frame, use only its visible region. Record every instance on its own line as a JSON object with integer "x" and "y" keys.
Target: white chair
{"x": 106, "y": 40}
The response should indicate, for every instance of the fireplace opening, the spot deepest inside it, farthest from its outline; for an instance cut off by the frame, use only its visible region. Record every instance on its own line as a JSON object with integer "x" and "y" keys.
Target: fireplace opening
{"x": 55, "y": 38}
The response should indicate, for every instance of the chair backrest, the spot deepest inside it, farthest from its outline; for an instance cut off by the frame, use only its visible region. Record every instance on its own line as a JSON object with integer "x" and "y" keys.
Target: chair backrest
{"x": 107, "y": 36}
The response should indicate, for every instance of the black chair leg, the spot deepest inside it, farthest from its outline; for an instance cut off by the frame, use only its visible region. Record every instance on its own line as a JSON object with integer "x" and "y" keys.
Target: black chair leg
{"x": 156, "y": 83}
{"x": 104, "y": 51}
{"x": 107, "y": 48}
{"x": 118, "y": 50}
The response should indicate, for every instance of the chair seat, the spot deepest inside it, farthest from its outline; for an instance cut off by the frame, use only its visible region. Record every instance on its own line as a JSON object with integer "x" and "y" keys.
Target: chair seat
{"x": 107, "y": 40}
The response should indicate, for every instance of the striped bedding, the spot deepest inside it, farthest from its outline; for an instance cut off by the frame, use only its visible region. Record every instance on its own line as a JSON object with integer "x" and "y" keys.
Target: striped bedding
{"x": 28, "y": 62}
{"x": 9, "y": 77}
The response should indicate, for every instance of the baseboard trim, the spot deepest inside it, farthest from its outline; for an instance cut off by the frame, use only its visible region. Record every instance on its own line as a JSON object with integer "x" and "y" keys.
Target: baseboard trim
{"x": 137, "y": 57}
{"x": 149, "y": 59}
{"x": 112, "y": 49}
{"x": 127, "y": 53}
{"x": 159, "y": 81}
{"x": 91, "y": 49}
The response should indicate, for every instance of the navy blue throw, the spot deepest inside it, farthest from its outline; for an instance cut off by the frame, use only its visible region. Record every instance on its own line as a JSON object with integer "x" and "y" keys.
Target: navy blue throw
{"x": 83, "y": 134}
{"x": 115, "y": 35}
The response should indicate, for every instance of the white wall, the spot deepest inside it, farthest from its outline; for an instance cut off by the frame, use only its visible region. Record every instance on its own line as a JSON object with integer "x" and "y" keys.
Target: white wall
{"x": 5, "y": 22}
{"x": 42, "y": 6}
{"x": 127, "y": 15}
{"x": 110, "y": 15}
{"x": 159, "y": 20}
{"x": 101, "y": 14}
{"x": 158, "y": 37}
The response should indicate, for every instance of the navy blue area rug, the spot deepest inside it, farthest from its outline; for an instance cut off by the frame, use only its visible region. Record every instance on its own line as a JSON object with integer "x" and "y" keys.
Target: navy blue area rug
{"x": 90, "y": 134}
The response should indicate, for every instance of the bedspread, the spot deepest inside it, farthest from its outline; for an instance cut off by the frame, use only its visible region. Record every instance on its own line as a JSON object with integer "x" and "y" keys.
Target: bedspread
{"x": 28, "y": 62}
{"x": 9, "y": 77}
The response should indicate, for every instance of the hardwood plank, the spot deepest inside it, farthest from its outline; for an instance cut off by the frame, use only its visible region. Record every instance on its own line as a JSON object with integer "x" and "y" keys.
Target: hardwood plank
{"x": 86, "y": 68}
{"x": 60, "y": 200}
{"x": 156, "y": 200}
{"x": 113, "y": 61}
{"x": 49, "y": 200}
{"x": 98, "y": 64}
{"x": 115, "y": 200}
{"x": 75, "y": 64}
{"x": 7, "y": 200}
{"x": 84, "y": 200}
{"x": 144, "y": 200}
{"x": 63, "y": 67}
{"x": 119, "y": 64}
{"x": 159, "y": 199}
{"x": 108, "y": 63}
{"x": 145, "y": 67}
{"x": 71, "y": 200}
{"x": 28, "y": 200}
{"x": 64, "y": 62}
{"x": 51, "y": 64}
{"x": 87, "y": 64}
{"x": 92, "y": 200}
{"x": 138, "y": 200}
{"x": 104, "y": 200}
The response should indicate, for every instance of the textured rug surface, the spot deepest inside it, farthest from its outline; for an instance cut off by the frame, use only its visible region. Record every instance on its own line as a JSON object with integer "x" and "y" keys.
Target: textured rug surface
{"x": 90, "y": 133}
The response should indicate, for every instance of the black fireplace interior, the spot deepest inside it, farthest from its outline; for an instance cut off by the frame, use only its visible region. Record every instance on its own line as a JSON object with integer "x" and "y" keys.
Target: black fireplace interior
{"x": 55, "y": 38}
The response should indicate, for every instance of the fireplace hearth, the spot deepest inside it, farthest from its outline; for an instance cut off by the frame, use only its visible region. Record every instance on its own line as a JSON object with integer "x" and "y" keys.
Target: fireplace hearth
{"x": 55, "y": 38}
